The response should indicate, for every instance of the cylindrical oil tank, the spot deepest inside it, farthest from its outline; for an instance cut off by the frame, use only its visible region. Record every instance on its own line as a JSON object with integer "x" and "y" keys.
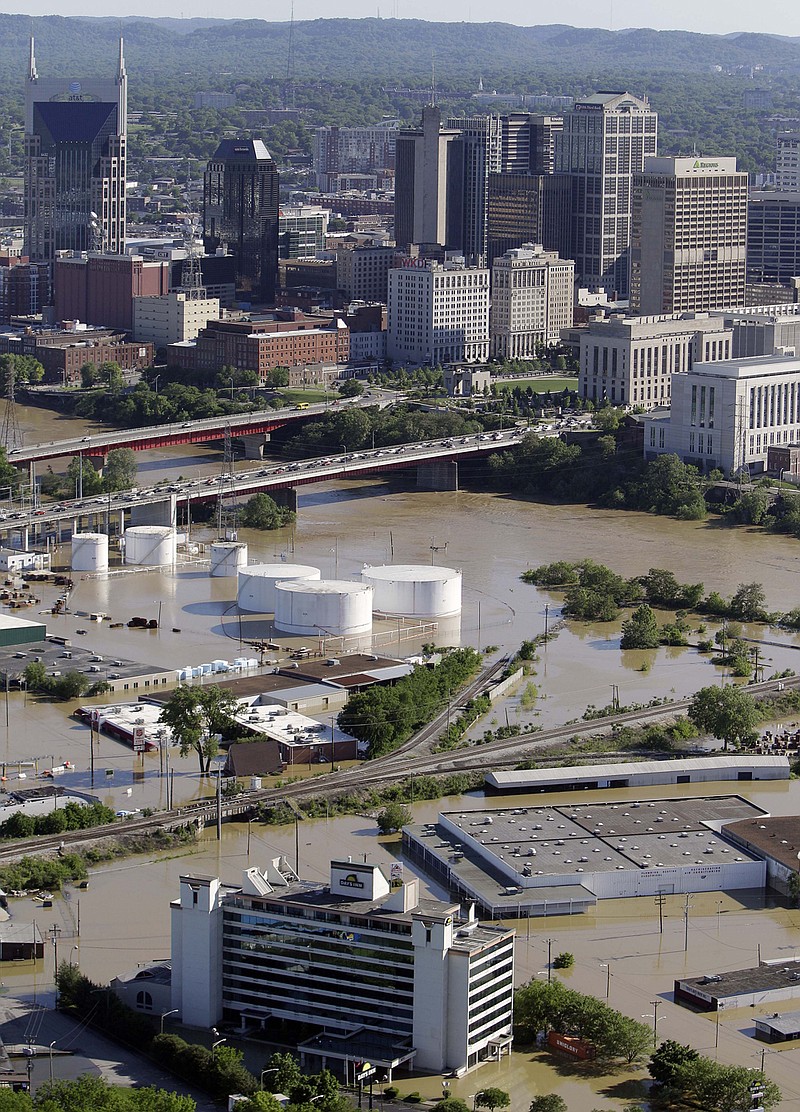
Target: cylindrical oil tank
{"x": 227, "y": 558}
{"x": 256, "y": 588}
{"x": 414, "y": 590}
{"x": 90, "y": 552}
{"x": 330, "y": 606}
{"x": 150, "y": 545}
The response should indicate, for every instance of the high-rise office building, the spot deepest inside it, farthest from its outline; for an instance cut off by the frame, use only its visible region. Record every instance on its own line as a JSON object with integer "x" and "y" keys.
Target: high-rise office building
{"x": 773, "y": 236}
{"x": 688, "y": 235}
{"x": 532, "y": 294}
{"x": 605, "y": 141}
{"x": 545, "y": 133}
{"x": 528, "y": 208}
{"x": 75, "y": 161}
{"x": 475, "y": 154}
{"x": 240, "y": 211}
{"x": 421, "y": 184}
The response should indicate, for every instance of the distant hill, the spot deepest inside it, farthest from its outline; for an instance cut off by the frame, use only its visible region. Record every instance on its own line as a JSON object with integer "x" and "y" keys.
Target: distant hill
{"x": 384, "y": 49}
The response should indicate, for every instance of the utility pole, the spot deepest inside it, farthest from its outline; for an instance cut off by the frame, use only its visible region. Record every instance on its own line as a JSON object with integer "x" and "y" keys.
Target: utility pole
{"x": 55, "y": 931}
{"x": 219, "y": 804}
{"x": 656, "y": 1004}
{"x": 550, "y": 942}
{"x": 660, "y": 900}
{"x": 686, "y": 907}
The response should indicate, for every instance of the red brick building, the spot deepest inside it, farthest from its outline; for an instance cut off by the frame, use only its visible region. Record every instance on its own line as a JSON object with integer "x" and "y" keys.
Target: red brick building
{"x": 286, "y": 338}
{"x": 99, "y": 289}
{"x": 24, "y": 287}
{"x": 62, "y": 354}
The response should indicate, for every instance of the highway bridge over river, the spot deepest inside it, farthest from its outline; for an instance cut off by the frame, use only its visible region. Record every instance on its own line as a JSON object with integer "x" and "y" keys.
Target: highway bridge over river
{"x": 436, "y": 463}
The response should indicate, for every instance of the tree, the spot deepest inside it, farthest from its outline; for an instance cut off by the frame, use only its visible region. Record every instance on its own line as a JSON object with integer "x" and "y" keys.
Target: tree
{"x": 195, "y": 715}
{"x": 119, "y": 472}
{"x": 82, "y": 478}
{"x": 277, "y": 378}
{"x": 748, "y": 603}
{"x": 666, "y": 1062}
{"x": 449, "y": 1104}
{"x": 88, "y": 375}
{"x": 393, "y": 817}
{"x": 111, "y": 374}
{"x": 282, "y": 1073}
{"x": 492, "y": 1098}
{"x": 548, "y": 1102}
{"x": 608, "y": 419}
{"x": 263, "y": 512}
{"x": 258, "y": 1102}
{"x": 728, "y": 713}
{"x": 640, "y": 631}
{"x": 351, "y": 388}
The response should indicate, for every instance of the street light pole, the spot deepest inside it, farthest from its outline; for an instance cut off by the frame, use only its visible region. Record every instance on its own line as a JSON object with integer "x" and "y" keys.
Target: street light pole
{"x": 164, "y": 1015}
{"x": 263, "y": 1073}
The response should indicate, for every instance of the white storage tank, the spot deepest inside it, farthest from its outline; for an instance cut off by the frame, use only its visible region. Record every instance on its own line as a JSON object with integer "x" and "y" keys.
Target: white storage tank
{"x": 90, "y": 552}
{"x": 256, "y": 588}
{"x": 150, "y": 545}
{"x": 335, "y": 607}
{"x": 415, "y": 590}
{"x": 228, "y": 557}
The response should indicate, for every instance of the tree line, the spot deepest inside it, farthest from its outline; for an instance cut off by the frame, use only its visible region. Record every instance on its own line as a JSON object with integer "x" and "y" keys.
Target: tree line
{"x": 385, "y": 717}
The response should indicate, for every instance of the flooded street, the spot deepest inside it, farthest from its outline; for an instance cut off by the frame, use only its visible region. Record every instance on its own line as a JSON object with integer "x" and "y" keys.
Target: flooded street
{"x": 124, "y": 914}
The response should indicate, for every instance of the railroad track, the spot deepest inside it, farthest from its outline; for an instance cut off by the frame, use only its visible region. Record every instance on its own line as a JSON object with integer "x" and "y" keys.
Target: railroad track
{"x": 374, "y": 774}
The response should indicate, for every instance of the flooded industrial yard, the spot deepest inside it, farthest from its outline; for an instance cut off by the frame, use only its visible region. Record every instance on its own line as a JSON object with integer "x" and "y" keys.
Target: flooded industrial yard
{"x": 124, "y": 914}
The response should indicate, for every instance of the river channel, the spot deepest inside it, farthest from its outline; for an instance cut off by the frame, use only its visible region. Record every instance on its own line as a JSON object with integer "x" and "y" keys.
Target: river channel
{"x": 493, "y": 538}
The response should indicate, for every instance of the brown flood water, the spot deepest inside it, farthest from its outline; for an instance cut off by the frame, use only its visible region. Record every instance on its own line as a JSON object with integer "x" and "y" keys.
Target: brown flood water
{"x": 124, "y": 914}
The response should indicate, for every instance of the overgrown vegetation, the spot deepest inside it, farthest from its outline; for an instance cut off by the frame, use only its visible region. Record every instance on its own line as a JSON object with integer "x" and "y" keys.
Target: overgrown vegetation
{"x": 385, "y": 717}
{"x": 69, "y": 816}
{"x": 263, "y": 512}
{"x": 682, "y": 1076}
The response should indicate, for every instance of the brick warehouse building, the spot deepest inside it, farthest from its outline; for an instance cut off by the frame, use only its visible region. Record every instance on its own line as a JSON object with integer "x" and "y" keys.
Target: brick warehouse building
{"x": 62, "y": 354}
{"x": 284, "y": 339}
{"x": 99, "y": 289}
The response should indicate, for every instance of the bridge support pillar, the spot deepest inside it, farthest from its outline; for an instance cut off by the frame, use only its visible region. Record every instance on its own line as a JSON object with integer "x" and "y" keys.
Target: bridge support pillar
{"x": 286, "y": 498}
{"x": 156, "y": 513}
{"x": 254, "y": 445}
{"x": 98, "y": 462}
{"x": 439, "y": 475}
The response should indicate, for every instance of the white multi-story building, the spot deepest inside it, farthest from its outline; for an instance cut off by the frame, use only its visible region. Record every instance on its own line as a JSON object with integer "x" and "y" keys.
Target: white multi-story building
{"x": 437, "y": 313}
{"x": 532, "y": 295}
{"x": 729, "y": 414}
{"x": 688, "y": 235}
{"x": 631, "y": 360}
{"x": 361, "y": 958}
{"x": 172, "y": 318}
{"x": 787, "y": 162}
{"x": 301, "y": 231}
{"x": 339, "y": 150}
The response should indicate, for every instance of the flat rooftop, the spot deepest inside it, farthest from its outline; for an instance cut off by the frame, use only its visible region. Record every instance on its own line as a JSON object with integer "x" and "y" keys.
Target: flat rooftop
{"x": 352, "y": 664}
{"x": 600, "y": 837}
{"x": 778, "y": 838}
{"x": 746, "y": 982}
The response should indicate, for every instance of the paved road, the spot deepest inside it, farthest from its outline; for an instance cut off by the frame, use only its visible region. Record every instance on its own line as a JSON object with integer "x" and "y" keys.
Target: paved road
{"x": 28, "y": 1020}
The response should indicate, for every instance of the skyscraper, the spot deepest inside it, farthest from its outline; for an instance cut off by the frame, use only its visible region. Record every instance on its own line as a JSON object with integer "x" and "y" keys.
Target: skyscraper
{"x": 474, "y": 155}
{"x": 688, "y": 235}
{"x": 75, "y": 160}
{"x": 605, "y": 141}
{"x": 240, "y": 211}
{"x": 421, "y": 183}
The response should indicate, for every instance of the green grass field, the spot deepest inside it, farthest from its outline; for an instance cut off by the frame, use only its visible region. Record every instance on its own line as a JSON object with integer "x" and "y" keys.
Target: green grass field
{"x": 542, "y": 383}
{"x": 311, "y": 396}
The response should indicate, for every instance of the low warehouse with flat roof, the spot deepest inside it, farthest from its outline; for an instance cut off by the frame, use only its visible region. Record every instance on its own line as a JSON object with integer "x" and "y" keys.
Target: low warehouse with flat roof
{"x": 20, "y": 631}
{"x": 741, "y": 988}
{"x": 543, "y": 860}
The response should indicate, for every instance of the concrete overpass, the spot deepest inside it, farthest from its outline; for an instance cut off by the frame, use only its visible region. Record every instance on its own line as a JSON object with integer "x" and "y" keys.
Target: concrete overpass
{"x": 436, "y": 464}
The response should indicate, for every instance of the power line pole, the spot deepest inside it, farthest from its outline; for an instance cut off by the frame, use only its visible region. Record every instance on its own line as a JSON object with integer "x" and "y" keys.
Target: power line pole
{"x": 660, "y": 900}
{"x": 686, "y": 907}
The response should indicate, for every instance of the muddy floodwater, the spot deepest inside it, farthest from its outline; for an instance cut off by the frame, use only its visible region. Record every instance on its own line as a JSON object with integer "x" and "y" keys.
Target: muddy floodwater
{"x": 124, "y": 915}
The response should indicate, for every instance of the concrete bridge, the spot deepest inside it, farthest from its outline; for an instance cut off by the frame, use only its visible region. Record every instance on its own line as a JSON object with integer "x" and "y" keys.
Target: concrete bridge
{"x": 252, "y": 428}
{"x": 436, "y": 464}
